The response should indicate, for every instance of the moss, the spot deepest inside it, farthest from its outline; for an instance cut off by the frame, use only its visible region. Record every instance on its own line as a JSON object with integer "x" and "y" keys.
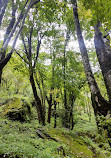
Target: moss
{"x": 74, "y": 147}
{"x": 16, "y": 109}
{"x": 21, "y": 140}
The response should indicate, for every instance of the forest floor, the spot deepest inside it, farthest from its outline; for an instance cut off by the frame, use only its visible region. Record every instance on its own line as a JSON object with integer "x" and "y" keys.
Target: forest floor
{"x": 30, "y": 140}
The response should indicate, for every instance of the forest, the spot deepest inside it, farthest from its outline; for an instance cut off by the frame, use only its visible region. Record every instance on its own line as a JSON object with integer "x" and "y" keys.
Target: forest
{"x": 55, "y": 79}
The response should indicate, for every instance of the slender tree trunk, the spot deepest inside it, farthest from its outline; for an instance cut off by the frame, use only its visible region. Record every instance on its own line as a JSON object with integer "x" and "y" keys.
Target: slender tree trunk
{"x": 41, "y": 116}
{"x": 49, "y": 113}
{"x": 49, "y": 108}
{"x": 1, "y": 58}
{"x": 65, "y": 93}
{"x": 55, "y": 114}
{"x": 87, "y": 100}
{"x": 100, "y": 105}
{"x": 3, "y": 6}
{"x": 71, "y": 121}
{"x": 12, "y": 22}
{"x": 42, "y": 92}
{"x": 9, "y": 28}
{"x": 52, "y": 87}
{"x": 66, "y": 121}
{"x": 103, "y": 52}
{"x": 38, "y": 83}
{"x": 0, "y": 77}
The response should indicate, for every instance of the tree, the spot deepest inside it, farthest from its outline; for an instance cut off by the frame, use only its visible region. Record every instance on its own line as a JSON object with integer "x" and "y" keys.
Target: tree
{"x": 103, "y": 52}
{"x": 100, "y": 105}
{"x": 101, "y": 23}
{"x": 12, "y": 26}
{"x": 31, "y": 58}
{"x": 34, "y": 30}
{"x": 64, "y": 77}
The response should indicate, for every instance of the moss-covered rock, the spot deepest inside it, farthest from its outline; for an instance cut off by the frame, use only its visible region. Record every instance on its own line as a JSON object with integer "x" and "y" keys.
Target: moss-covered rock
{"x": 17, "y": 109}
{"x": 73, "y": 147}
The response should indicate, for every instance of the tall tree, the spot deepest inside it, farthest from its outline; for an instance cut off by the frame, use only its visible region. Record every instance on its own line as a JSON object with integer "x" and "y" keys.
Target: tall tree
{"x": 64, "y": 79}
{"x": 100, "y": 20}
{"x": 103, "y": 51}
{"x": 100, "y": 105}
{"x": 31, "y": 59}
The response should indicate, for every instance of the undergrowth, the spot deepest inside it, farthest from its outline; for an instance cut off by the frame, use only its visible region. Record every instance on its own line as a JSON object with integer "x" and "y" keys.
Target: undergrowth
{"x": 20, "y": 140}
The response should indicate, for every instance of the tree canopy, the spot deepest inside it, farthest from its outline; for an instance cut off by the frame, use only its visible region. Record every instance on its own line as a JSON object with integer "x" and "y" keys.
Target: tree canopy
{"x": 56, "y": 54}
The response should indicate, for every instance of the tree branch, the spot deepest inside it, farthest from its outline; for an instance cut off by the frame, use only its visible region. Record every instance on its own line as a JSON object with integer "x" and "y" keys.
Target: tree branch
{"x": 38, "y": 48}
{"x": 21, "y": 57}
{"x": 30, "y": 42}
{"x": 3, "y": 7}
{"x": 16, "y": 24}
{"x": 25, "y": 47}
{"x": 5, "y": 60}
{"x": 11, "y": 24}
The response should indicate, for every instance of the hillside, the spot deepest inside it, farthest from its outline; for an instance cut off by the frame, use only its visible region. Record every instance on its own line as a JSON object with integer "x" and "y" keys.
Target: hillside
{"x": 30, "y": 140}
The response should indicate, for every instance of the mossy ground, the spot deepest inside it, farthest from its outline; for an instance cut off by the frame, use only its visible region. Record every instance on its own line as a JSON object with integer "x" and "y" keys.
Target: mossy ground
{"x": 20, "y": 140}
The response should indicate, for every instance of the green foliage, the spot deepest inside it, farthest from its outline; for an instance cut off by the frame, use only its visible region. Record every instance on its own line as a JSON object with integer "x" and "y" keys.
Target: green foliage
{"x": 100, "y": 10}
{"x": 23, "y": 141}
{"x": 88, "y": 132}
{"x": 48, "y": 10}
{"x": 50, "y": 19}
{"x": 22, "y": 138}
{"x": 15, "y": 80}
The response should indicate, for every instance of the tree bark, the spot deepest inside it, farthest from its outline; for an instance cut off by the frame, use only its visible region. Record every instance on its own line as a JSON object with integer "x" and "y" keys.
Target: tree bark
{"x": 49, "y": 108}
{"x": 100, "y": 105}
{"x": 44, "y": 96}
{"x": 21, "y": 16}
{"x": 71, "y": 121}
{"x": 39, "y": 107}
{"x": 28, "y": 51}
{"x": 103, "y": 52}
{"x": 12, "y": 22}
{"x": 3, "y": 6}
{"x": 55, "y": 114}
{"x": 0, "y": 77}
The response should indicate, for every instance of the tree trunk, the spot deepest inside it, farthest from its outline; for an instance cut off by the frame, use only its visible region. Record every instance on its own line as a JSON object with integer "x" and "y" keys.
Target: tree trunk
{"x": 0, "y": 77}
{"x": 88, "y": 106}
{"x": 71, "y": 121}
{"x": 49, "y": 109}
{"x": 49, "y": 113}
{"x": 40, "y": 110}
{"x": 2, "y": 52}
{"x": 100, "y": 105}
{"x": 55, "y": 114}
{"x": 52, "y": 87}
{"x": 43, "y": 95}
{"x": 9, "y": 28}
{"x": 103, "y": 52}
{"x": 12, "y": 22}
{"x": 3, "y": 6}
{"x": 66, "y": 121}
